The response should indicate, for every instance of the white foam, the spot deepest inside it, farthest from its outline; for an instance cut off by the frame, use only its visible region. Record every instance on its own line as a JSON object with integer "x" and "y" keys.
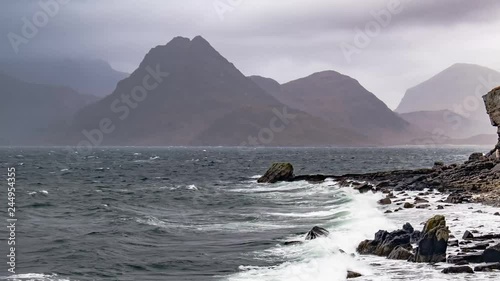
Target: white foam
{"x": 35, "y": 276}
{"x": 320, "y": 259}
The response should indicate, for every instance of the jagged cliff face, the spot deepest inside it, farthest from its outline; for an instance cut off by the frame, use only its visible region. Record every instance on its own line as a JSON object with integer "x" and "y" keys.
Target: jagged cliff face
{"x": 492, "y": 103}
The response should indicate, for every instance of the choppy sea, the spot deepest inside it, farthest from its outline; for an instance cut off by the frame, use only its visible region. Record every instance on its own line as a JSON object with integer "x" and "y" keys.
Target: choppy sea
{"x": 198, "y": 214}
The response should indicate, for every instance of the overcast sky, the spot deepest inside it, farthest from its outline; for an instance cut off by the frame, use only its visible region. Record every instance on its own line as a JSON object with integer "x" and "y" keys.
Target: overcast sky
{"x": 280, "y": 39}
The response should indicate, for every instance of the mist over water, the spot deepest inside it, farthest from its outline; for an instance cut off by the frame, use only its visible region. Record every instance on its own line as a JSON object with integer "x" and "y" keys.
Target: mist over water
{"x": 198, "y": 214}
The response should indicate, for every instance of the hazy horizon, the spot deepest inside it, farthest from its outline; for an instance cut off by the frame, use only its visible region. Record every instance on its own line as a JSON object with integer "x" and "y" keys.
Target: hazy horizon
{"x": 283, "y": 41}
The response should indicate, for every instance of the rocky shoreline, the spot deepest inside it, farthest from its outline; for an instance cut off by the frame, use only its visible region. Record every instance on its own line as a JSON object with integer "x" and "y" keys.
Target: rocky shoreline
{"x": 435, "y": 190}
{"x": 475, "y": 181}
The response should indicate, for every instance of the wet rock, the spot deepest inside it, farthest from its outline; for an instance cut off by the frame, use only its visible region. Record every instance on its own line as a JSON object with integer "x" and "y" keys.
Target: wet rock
{"x": 419, "y": 200}
{"x": 458, "y": 198}
{"x": 480, "y": 246}
{"x": 467, "y": 235}
{"x": 352, "y": 274}
{"x": 385, "y": 201}
{"x": 385, "y": 242}
{"x": 400, "y": 253}
{"x": 465, "y": 259}
{"x": 408, "y": 228}
{"x": 492, "y": 254}
{"x": 487, "y": 268}
{"x": 453, "y": 243}
{"x": 496, "y": 214}
{"x": 277, "y": 172}
{"x": 408, "y": 205}
{"x": 439, "y": 207}
{"x": 477, "y": 156}
{"x": 364, "y": 188}
{"x": 423, "y": 206}
{"x": 317, "y": 232}
{"x": 458, "y": 269}
{"x": 291, "y": 243}
{"x": 432, "y": 247}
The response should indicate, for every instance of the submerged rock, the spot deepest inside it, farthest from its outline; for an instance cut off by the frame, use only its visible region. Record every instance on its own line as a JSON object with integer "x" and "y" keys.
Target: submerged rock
{"x": 458, "y": 269}
{"x": 317, "y": 232}
{"x": 432, "y": 247}
{"x": 277, "y": 172}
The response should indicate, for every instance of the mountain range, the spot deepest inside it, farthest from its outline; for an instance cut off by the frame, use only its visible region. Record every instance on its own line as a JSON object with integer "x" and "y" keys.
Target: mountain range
{"x": 185, "y": 93}
{"x": 341, "y": 100}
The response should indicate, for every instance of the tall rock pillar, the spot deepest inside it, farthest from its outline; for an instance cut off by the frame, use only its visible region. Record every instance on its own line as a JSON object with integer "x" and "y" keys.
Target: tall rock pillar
{"x": 492, "y": 103}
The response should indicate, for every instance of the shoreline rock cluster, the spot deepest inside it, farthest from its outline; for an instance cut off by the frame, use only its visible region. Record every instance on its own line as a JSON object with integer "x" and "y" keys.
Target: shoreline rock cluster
{"x": 432, "y": 244}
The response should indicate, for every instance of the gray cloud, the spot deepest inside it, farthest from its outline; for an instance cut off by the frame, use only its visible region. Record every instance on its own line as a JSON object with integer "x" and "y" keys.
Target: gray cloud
{"x": 282, "y": 39}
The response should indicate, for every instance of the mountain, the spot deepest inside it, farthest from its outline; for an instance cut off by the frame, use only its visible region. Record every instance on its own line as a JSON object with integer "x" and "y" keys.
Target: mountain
{"x": 342, "y": 101}
{"x": 94, "y": 77}
{"x": 447, "y": 122}
{"x": 29, "y": 112}
{"x": 458, "y": 88}
{"x": 186, "y": 93}
{"x": 455, "y": 92}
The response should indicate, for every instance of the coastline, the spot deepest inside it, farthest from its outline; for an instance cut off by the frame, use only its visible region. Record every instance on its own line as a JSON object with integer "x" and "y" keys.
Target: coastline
{"x": 460, "y": 192}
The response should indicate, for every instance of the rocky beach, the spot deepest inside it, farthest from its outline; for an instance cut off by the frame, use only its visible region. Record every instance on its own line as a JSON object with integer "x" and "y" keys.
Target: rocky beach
{"x": 453, "y": 244}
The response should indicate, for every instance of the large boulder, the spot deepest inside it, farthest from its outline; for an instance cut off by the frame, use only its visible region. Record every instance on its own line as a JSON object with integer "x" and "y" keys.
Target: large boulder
{"x": 435, "y": 235}
{"x": 492, "y": 254}
{"x": 277, "y": 172}
{"x": 317, "y": 232}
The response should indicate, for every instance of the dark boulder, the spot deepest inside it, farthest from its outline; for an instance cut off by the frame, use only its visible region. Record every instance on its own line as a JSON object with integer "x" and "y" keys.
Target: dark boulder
{"x": 478, "y": 156}
{"x": 408, "y": 228}
{"x": 385, "y": 242}
{"x": 457, "y": 269}
{"x": 317, "y": 232}
{"x": 408, "y": 205}
{"x": 432, "y": 247}
{"x": 352, "y": 274}
{"x": 385, "y": 201}
{"x": 492, "y": 254}
{"x": 277, "y": 172}
{"x": 467, "y": 235}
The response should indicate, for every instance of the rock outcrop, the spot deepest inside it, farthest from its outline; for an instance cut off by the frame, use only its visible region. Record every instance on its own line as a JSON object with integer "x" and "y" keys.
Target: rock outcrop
{"x": 388, "y": 243}
{"x": 317, "y": 232}
{"x": 492, "y": 103}
{"x": 277, "y": 172}
{"x": 432, "y": 247}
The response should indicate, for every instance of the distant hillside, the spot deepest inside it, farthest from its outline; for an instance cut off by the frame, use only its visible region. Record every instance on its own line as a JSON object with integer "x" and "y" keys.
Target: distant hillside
{"x": 94, "y": 77}
{"x": 31, "y": 112}
{"x": 458, "y": 88}
{"x": 448, "y": 123}
{"x": 200, "y": 98}
{"x": 341, "y": 100}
